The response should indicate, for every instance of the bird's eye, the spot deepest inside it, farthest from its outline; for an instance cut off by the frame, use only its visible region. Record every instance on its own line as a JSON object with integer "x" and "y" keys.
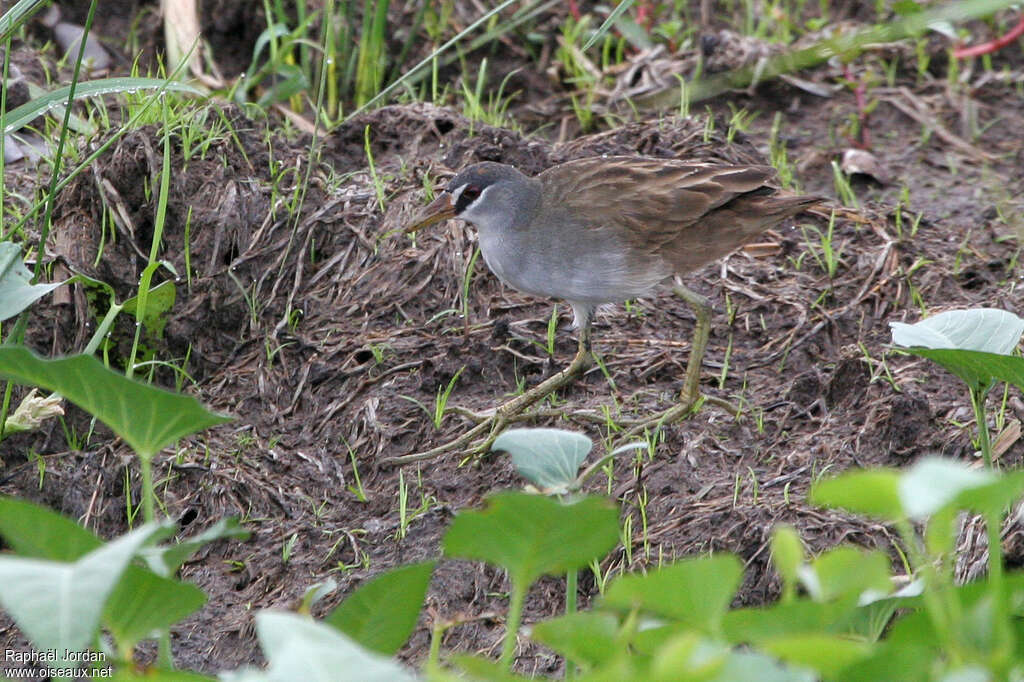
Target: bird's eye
{"x": 470, "y": 193}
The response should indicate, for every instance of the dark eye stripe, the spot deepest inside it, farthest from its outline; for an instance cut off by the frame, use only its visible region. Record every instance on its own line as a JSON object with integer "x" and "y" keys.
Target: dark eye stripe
{"x": 467, "y": 197}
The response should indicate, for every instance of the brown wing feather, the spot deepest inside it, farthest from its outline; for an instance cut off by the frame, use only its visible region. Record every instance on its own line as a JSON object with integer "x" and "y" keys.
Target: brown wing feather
{"x": 687, "y": 213}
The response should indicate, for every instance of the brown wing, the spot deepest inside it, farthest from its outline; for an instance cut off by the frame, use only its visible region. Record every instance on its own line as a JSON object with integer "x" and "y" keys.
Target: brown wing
{"x": 687, "y": 213}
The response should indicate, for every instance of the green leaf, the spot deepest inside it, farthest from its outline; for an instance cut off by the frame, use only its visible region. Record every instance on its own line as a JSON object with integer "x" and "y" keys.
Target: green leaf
{"x": 530, "y": 535}
{"x": 147, "y": 418}
{"x": 548, "y": 458}
{"x": 14, "y": 16}
{"x": 744, "y": 665}
{"x": 827, "y": 654}
{"x": 787, "y": 553}
{"x": 160, "y": 300}
{"x": 797, "y": 617}
{"x": 694, "y": 659}
{"x": 688, "y": 656}
{"x": 27, "y": 112}
{"x": 846, "y": 572}
{"x": 988, "y": 330}
{"x": 33, "y": 531}
{"x": 299, "y": 648}
{"x": 873, "y": 492}
{"x": 975, "y": 345}
{"x": 381, "y": 614}
{"x": 58, "y": 605}
{"x": 892, "y": 662}
{"x": 696, "y": 592}
{"x": 978, "y": 370}
{"x": 995, "y": 496}
{"x": 932, "y": 483}
{"x": 143, "y": 603}
{"x": 586, "y": 637}
{"x": 167, "y": 559}
{"x": 16, "y": 290}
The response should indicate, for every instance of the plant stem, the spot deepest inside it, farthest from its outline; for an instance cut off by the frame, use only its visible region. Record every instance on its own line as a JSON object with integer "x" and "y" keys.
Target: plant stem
{"x": 978, "y": 403}
{"x": 148, "y": 507}
{"x": 570, "y": 607}
{"x": 1002, "y": 641}
{"x": 515, "y": 614}
{"x": 434, "y": 657}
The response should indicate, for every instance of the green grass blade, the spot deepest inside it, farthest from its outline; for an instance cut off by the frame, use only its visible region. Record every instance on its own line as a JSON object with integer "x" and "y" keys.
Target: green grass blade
{"x": 20, "y": 116}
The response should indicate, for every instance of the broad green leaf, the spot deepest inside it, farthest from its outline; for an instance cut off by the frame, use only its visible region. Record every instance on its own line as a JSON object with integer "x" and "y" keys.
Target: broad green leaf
{"x": 587, "y": 637}
{"x": 978, "y": 370}
{"x": 299, "y": 648}
{"x": 896, "y": 663}
{"x": 874, "y": 492}
{"x": 932, "y": 483}
{"x": 988, "y": 330}
{"x": 381, "y": 614}
{"x": 755, "y": 624}
{"x": 787, "y": 553}
{"x": 696, "y": 592}
{"x": 35, "y": 532}
{"x": 58, "y": 605}
{"x": 688, "y": 656}
{"x": 548, "y": 458}
{"x": 16, "y": 289}
{"x": 37, "y": 106}
{"x": 143, "y": 603}
{"x": 158, "y": 302}
{"x": 147, "y": 418}
{"x": 530, "y": 535}
{"x": 995, "y": 496}
{"x": 827, "y": 654}
{"x": 165, "y": 560}
{"x": 140, "y": 602}
{"x": 746, "y": 665}
{"x": 845, "y": 572}
{"x": 975, "y": 345}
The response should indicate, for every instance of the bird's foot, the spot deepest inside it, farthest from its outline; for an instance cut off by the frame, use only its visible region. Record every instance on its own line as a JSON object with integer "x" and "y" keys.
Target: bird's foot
{"x": 491, "y": 423}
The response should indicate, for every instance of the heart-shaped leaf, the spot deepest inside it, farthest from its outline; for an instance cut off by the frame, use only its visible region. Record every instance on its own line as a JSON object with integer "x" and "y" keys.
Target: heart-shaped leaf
{"x": 299, "y": 648}
{"x": 58, "y": 605}
{"x": 148, "y": 418}
{"x": 871, "y": 491}
{"x": 548, "y": 458}
{"x": 16, "y": 289}
{"x": 975, "y": 345}
{"x": 696, "y": 592}
{"x": 381, "y": 614}
{"x": 932, "y": 483}
{"x": 988, "y": 330}
{"x": 531, "y": 535}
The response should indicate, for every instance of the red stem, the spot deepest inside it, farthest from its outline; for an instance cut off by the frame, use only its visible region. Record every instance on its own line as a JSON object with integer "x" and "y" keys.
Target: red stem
{"x": 992, "y": 45}
{"x": 574, "y": 10}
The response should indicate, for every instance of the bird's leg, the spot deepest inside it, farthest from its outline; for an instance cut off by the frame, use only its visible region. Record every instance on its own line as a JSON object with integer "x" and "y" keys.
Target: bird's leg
{"x": 690, "y": 398}
{"x": 699, "y": 344}
{"x": 490, "y": 427}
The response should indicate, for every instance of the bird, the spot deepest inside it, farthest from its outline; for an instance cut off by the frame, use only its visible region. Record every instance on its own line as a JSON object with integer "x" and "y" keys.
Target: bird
{"x": 607, "y": 229}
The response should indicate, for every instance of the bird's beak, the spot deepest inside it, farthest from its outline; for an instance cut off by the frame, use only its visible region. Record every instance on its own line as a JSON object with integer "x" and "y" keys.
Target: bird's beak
{"x": 439, "y": 209}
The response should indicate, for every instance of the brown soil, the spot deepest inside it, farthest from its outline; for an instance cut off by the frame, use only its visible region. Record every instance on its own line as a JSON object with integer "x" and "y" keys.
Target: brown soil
{"x": 320, "y": 333}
